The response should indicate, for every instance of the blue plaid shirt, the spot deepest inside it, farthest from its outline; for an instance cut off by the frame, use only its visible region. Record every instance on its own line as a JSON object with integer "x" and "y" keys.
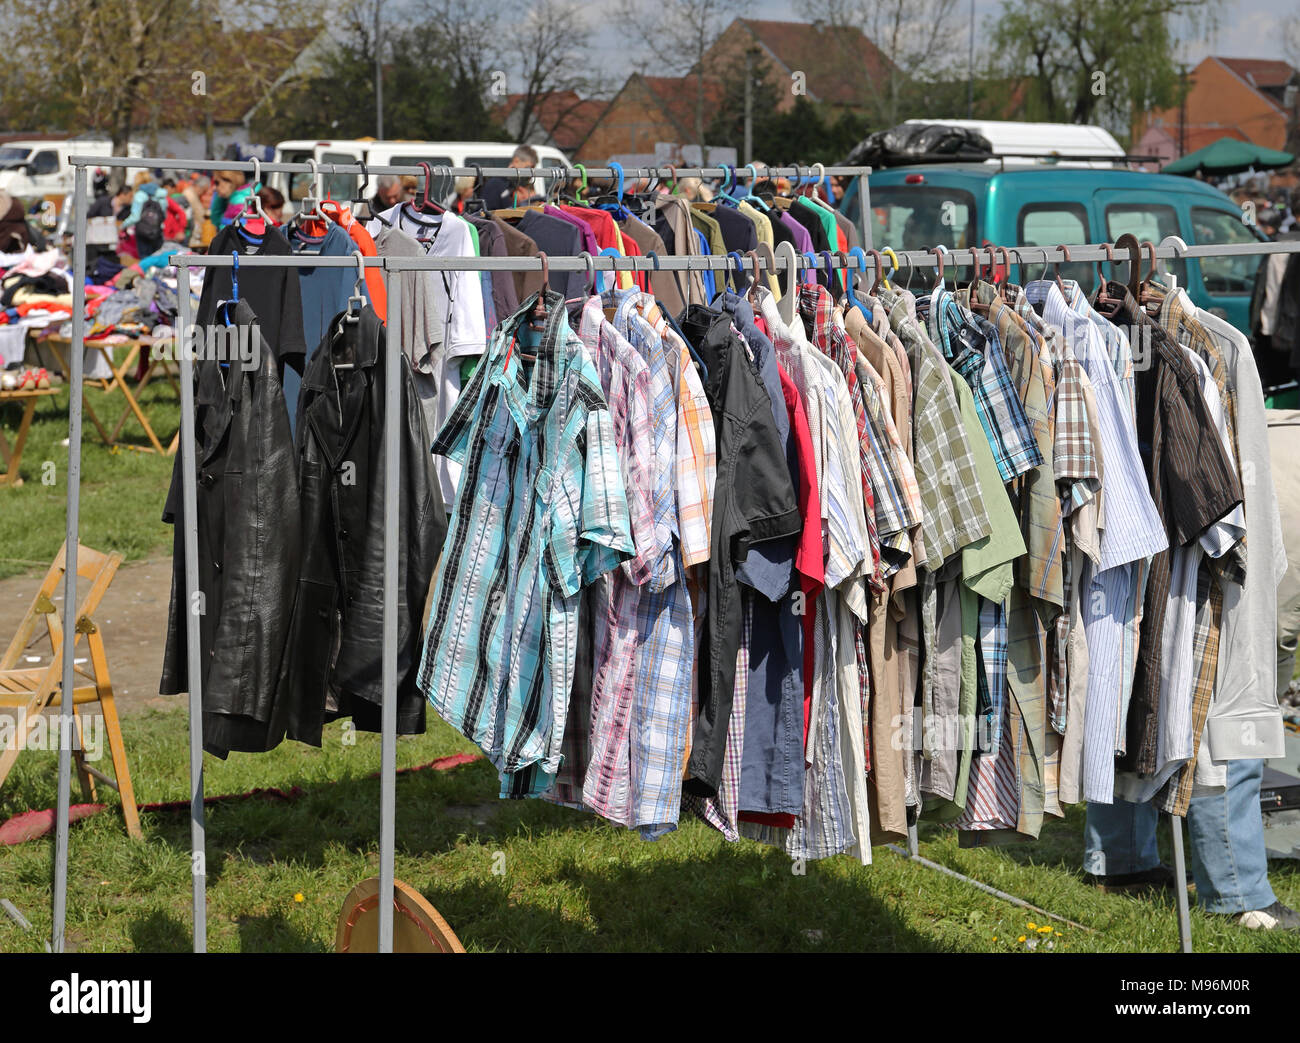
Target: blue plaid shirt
{"x": 971, "y": 346}
{"x": 540, "y": 511}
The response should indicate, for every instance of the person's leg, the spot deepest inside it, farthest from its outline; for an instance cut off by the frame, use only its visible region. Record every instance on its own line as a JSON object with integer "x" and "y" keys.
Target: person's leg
{"x": 1229, "y": 861}
{"x": 1120, "y": 839}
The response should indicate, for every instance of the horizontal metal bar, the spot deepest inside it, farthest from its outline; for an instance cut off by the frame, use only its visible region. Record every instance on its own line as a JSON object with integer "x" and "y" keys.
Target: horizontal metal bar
{"x": 666, "y": 171}
{"x": 1028, "y": 255}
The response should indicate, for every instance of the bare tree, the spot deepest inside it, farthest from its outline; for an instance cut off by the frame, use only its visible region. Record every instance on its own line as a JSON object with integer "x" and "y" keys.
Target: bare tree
{"x": 916, "y": 35}
{"x": 547, "y": 51}
{"x": 675, "y": 35}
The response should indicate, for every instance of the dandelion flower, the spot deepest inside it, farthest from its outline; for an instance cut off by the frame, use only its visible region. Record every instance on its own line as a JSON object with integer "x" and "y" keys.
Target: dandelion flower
{"x": 298, "y": 897}
{"x": 1021, "y": 938}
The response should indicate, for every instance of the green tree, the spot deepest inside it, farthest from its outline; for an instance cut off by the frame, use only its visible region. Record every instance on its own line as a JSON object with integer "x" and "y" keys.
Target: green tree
{"x": 1097, "y": 61}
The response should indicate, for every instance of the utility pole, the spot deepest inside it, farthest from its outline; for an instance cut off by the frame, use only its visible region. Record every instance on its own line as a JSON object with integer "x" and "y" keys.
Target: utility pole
{"x": 970, "y": 67}
{"x": 379, "y": 75}
{"x": 749, "y": 106}
{"x": 1182, "y": 111}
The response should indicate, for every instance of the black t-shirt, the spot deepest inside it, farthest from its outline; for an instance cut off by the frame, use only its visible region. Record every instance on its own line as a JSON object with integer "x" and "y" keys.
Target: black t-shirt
{"x": 272, "y": 293}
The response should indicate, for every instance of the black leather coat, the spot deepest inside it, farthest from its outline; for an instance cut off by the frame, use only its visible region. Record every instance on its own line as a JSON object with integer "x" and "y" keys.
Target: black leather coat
{"x": 333, "y": 665}
{"x": 249, "y": 547}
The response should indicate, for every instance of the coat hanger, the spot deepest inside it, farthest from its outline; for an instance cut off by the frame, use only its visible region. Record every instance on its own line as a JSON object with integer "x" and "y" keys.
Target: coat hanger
{"x": 1005, "y": 254}
{"x": 253, "y": 205}
{"x": 423, "y": 204}
{"x": 939, "y": 252}
{"x": 1128, "y": 241}
{"x": 1145, "y": 297}
{"x": 893, "y": 267}
{"x": 475, "y": 204}
{"x": 518, "y": 210}
{"x": 789, "y": 293}
{"x": 846, "y": 266}
{"x": 764, "y": 250}
{"x": 1110, "y": 257}
{"x": 361, "y": 205}
{"x": 751, "y": 294}
{"x": 537, "y": 316}
{"x": 1178, "y": 246}
{"x": 1056, "y": 268}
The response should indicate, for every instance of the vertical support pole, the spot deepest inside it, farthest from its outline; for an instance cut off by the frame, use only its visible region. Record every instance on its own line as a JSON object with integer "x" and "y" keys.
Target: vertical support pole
{"x": 1180, "y": 884}
{"x": 76, "y": 390}
{"x": 193, "y": 605}
{"x": 392, "y": 493}
{"x": 864, "y": 210}
{"x": 913, "y": 846}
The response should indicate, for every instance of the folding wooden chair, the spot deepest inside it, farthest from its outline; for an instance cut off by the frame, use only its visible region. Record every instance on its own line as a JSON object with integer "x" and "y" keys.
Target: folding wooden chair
{"x": 33, "y": 690}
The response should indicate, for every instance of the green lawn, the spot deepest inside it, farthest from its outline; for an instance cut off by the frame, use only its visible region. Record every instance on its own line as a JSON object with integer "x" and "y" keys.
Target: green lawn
{"x": 122, "y": 491}
{"x": 570, "y": 882}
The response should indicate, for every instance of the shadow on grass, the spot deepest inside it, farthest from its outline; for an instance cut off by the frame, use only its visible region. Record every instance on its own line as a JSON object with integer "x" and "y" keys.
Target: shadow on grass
{"x": 160, "y": 932}
{"x": 736, "y": 900}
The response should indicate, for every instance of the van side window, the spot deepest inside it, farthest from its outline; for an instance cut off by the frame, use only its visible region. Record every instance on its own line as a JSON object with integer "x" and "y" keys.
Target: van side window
{"x": 46, "y": 162}
{"x": 1235, "y": 275}
{"x": 1150, "y": 222}
{"x": 338, "y": 186}
{"x": 1057, "y": 224}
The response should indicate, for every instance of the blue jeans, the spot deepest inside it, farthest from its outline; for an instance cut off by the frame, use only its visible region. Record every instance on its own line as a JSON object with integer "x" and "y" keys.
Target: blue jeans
{"x": 1229, "y": 862}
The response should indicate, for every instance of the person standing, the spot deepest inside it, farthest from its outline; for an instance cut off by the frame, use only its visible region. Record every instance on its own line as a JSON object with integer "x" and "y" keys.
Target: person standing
{"x": 499, "y": 193}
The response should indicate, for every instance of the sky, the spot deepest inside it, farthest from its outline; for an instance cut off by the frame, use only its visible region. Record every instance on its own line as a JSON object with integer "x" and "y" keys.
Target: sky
{"x": 1247, "y": 28}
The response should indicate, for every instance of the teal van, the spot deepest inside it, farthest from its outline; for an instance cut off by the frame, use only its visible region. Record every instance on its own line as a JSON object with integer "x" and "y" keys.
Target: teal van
{"x": 974, "y": 204}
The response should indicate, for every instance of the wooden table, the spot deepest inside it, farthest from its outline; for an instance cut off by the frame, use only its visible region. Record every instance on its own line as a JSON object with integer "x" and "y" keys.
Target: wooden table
{"x": 13, "y": 458}
{"x": 156, "y": 362}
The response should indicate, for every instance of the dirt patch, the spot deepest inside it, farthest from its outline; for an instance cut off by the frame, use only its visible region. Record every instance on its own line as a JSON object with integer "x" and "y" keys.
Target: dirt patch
{"x": 133, "y": 616}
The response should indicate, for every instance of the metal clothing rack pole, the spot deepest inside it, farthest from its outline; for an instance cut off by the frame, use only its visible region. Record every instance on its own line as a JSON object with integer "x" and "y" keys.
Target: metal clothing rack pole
{"x": 510, "y": 173}
{"x": 183, "y": 262}
{"x": 193, "y": 608}
{"x": 68, "y": 734}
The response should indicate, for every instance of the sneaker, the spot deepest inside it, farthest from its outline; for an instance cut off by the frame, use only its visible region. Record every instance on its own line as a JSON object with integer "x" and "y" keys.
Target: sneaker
{"x": 1277, "y": 917}
{"x": 42, "y": 378}
{"x": 1159, "y": 878}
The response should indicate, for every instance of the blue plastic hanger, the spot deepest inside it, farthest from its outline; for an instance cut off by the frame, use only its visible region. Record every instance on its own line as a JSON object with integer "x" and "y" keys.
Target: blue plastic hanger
{"x": 861, "y": 256}
{"x": 609, "y": 251}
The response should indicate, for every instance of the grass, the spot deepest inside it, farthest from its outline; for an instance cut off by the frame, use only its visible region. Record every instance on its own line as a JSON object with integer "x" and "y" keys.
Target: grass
{"x": 567, "y": 881}
{"x": 122, "y": 491}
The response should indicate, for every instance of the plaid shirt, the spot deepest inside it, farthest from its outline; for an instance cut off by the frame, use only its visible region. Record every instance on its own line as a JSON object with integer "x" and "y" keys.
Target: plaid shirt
{"x": 625, "y": 377}
{"x": 972, "y": 347}
{"x": 540, "y": 511}
{"x": 945, "y": 471}
{"x": 696, "y": 464}
{"x": 664, "y": 626}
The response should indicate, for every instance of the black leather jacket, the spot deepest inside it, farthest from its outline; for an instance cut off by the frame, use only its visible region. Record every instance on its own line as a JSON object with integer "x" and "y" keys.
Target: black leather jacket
{"x": 249, "y": 547}
{"x": 333, "y": 665}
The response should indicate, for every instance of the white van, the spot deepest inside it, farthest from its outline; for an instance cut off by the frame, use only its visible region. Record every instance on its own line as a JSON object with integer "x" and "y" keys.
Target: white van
{"x": 391, "y": 154}
{"x": 1033, "y": 144}
{"x": 33, "y": 170}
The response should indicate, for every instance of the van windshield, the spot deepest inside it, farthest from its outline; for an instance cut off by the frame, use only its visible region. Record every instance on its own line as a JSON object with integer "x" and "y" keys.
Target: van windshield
{"x": 918, "y": 217}
{"x": 12, "y": 157}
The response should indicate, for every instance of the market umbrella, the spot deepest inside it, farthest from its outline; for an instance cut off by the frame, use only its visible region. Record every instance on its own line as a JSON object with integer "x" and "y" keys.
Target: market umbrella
{"x": 1229, "y": 156}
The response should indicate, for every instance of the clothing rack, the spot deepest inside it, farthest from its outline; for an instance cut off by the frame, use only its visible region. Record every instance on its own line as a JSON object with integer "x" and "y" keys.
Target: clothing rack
{"x": 937, "y": 258}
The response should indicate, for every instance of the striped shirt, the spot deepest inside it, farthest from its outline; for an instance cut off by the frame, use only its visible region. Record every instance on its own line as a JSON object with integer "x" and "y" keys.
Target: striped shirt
{"x": 540, "y": 511}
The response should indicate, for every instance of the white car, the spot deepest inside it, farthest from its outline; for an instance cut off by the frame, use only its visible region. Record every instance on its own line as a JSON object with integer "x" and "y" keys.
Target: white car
{"x": 395, "y": 154}
{"x": 31, "y": 170}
